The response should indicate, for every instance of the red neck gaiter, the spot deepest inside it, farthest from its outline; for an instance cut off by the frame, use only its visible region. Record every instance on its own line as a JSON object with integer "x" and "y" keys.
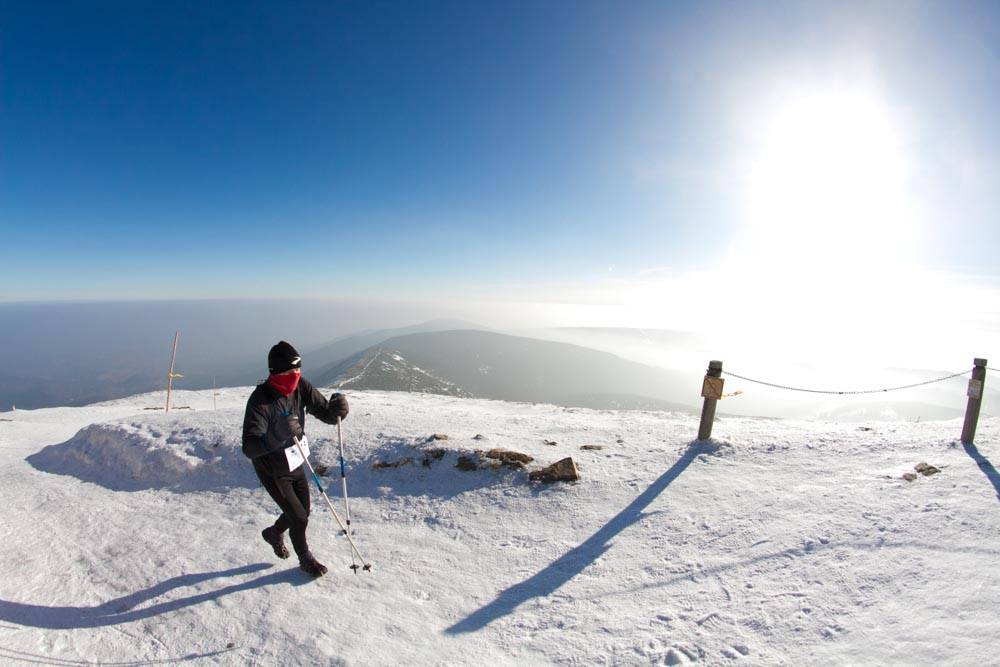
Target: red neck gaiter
{"x": 285, "y": 383}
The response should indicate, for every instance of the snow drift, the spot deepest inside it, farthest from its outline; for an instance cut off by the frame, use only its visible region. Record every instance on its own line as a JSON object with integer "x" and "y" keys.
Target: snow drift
{"x": 155, "y": 452}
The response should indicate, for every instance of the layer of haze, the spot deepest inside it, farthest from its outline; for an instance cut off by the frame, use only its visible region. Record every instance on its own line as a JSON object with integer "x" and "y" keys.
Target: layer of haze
{"x": 71, "y": 354}
{"x": 77, "y": 353}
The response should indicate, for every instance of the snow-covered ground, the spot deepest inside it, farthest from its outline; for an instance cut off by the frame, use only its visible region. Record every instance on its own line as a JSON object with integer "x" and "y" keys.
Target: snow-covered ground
{"x": 133, "y": 537}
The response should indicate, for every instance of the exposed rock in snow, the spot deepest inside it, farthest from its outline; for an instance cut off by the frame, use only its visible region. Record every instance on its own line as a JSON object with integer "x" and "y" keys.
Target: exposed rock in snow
{"x": 563, "y": 470}
{"x": 926, "y": 469}
{"x": 383, "y": 465}
{"x": 508, "y": 457}
{"x": 466, "y": 463}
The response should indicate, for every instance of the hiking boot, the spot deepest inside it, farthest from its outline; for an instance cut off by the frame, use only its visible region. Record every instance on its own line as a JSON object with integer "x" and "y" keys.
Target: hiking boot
{"x": 276, "y": 540}
{"x": 311, "y": 566}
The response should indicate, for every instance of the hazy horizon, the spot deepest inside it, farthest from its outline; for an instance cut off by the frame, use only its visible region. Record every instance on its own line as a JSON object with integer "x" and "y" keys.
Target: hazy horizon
{"x": 76, "y": 353}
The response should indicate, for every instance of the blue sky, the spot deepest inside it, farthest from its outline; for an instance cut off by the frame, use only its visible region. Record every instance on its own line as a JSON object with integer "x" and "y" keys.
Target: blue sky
{"x": 599, "y": 154}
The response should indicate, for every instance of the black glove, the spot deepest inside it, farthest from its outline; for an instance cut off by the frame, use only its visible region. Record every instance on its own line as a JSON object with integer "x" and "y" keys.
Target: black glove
{"x": 295, "y": 427}
{"x": 338, "y": 406}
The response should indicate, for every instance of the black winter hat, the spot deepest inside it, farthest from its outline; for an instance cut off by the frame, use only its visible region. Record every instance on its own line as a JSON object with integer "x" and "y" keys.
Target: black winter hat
{"x": 283, "y": 357}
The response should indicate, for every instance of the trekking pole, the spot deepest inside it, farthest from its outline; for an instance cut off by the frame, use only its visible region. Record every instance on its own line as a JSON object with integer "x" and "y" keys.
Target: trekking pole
{"x": 343, "y": 474}
{"x": 319, "y": 485}
{"x": 343, "y": 487}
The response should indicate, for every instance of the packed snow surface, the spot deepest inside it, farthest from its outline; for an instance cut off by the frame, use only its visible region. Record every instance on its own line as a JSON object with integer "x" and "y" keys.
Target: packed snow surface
{"x": 133, "y": 537}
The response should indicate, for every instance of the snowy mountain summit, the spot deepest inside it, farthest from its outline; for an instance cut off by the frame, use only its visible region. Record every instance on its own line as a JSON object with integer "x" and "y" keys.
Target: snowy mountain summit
{"x": 133, "y": 536}
{"x": 388, "y": 369}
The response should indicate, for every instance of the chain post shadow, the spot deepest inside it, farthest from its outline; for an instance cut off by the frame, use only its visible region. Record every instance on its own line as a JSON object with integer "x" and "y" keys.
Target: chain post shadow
{"x": 567, "y": 566}
{"x": 984, "y": 465}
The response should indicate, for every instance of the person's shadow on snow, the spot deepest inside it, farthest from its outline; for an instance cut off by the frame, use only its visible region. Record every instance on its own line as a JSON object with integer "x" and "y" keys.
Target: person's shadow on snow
{"x": 126, "y": 609}
{"x": 564, "y": 568}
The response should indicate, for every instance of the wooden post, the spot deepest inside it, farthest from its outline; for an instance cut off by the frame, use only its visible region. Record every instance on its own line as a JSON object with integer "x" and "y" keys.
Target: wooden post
{"x": 170, "y": 374}
{"x": 975, "y": 394}
{"x": 712, "y": 391}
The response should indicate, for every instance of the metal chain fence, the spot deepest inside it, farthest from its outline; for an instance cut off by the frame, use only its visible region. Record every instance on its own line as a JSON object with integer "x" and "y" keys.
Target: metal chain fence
{"x": 847, "y": 392}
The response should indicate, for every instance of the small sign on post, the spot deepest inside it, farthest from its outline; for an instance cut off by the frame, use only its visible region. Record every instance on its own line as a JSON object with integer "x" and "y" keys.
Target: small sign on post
{"x": 712, "y": 387}
{"x": 975, "y": 389}
{"x": 711, "y": 390}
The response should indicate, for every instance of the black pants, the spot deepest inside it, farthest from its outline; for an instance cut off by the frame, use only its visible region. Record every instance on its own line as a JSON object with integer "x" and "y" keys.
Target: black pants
{"x": 291, "y": 491}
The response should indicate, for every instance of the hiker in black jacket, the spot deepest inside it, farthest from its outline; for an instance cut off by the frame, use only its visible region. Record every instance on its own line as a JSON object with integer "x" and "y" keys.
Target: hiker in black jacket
{"x": 276, "y": 413}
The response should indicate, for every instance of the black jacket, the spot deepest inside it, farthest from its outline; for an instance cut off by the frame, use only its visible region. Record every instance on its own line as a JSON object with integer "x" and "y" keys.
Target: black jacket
{"x": 265, "y": 425}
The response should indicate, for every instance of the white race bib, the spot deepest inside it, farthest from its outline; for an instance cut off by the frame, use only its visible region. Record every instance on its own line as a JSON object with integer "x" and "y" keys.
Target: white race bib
{"x": 293, "y": 456}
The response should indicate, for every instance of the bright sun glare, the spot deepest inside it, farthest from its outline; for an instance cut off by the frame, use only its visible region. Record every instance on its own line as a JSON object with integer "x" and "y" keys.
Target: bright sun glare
{"x": 828, "y": 228}
{"x": 827, "y": 183}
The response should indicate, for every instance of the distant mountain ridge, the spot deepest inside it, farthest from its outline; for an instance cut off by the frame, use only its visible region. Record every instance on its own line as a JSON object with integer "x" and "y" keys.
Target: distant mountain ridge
{"x": 330, "y": 356}
{"x": 485, "y": 364}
